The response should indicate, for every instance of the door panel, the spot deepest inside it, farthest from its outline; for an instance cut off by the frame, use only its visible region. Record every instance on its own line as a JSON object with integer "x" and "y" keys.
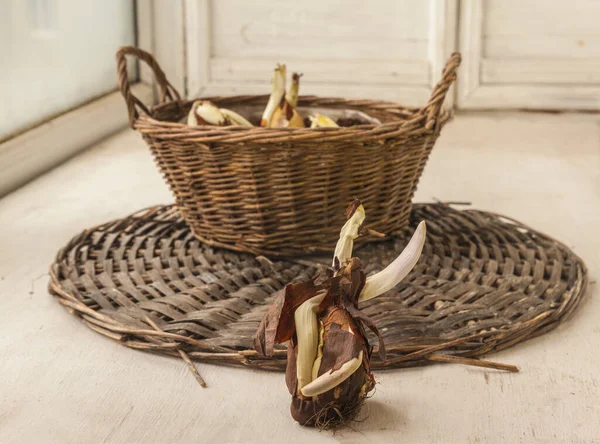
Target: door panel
{"x": 535, "y": 54}
{"x": 383, "y": 49}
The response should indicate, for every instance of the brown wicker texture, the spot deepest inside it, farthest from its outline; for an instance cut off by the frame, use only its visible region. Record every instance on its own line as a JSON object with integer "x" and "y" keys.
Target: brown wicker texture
{"x": 483, "y": 283}
{"x": 284, "y": 191}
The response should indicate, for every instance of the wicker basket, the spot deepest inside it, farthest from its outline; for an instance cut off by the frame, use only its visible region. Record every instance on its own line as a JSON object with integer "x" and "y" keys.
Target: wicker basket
{"x": 284, "y": 191}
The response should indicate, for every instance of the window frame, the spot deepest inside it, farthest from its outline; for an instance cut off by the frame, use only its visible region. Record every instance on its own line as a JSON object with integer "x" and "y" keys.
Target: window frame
{"x": 27, "y": 155}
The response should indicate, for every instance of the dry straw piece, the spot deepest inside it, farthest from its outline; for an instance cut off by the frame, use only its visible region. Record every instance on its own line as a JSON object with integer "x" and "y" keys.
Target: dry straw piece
{"x": 483, "y": 283}
{"x": 282, "y": 191}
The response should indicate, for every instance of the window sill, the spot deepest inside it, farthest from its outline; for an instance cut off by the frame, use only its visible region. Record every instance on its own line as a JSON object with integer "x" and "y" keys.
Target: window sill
{"x": 34, "y": 152}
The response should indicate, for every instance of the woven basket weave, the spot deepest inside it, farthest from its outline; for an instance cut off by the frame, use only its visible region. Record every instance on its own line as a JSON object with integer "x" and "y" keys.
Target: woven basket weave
{"x": 484, "y": 283}
{"x": 284, "y": 191}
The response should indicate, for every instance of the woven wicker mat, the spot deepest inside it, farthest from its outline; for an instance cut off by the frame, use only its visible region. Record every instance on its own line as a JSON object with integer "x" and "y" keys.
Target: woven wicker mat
{"x": 483, "y": 283}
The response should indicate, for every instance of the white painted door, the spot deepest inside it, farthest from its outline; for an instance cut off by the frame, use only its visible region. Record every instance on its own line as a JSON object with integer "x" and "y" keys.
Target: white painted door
{"x": 380, "y": 49}
{"x": 57, "y": 54}
{"x": 536, "y": 54}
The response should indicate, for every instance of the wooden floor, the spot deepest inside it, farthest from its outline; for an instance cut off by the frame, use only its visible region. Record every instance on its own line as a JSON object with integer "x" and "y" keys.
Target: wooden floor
{"x": 62, "y": 383}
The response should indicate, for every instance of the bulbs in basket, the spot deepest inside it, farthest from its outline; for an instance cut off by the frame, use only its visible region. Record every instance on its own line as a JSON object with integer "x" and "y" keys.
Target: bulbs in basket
{"x": 281, "y": 111}
{"x": 204, "y": 112}
{"x": 322, "y": 121}
{"x": 277, "y": 94}
{"x": 328, "y": 361}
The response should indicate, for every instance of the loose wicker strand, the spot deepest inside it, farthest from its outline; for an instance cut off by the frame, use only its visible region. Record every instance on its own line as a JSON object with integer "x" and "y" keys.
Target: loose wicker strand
{"x": 473, "y": 361}
{"x": 183, "y": 355}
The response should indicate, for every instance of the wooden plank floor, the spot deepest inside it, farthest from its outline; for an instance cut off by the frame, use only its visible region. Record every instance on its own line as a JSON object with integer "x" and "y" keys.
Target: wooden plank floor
{"x": 62, "y": 383}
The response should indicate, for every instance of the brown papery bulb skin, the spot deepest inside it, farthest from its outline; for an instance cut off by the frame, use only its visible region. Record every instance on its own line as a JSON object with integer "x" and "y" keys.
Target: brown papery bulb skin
{"x": 328, "y": 369}
{"x": 342, "y": 403}
{"x": 337, "y": 406}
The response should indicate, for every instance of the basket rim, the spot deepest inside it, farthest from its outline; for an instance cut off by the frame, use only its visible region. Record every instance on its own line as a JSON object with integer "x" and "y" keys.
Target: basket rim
{"x": 415, "y": 115}
{"x": 419, "y": 124}
{"x": 139, "y": 113}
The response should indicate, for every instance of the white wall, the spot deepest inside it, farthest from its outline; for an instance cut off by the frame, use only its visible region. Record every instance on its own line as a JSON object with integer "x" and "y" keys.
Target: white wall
{"x": 379, "y": 49}
{"x": 516, "y": 53}
{"x": 57, "y": 54}
{"x": 530, "y": 54}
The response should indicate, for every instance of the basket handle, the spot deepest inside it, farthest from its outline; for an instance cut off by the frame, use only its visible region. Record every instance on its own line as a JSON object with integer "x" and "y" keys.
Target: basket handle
{"x": 434, "y": 105}
{"x": 167, "y": 91}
